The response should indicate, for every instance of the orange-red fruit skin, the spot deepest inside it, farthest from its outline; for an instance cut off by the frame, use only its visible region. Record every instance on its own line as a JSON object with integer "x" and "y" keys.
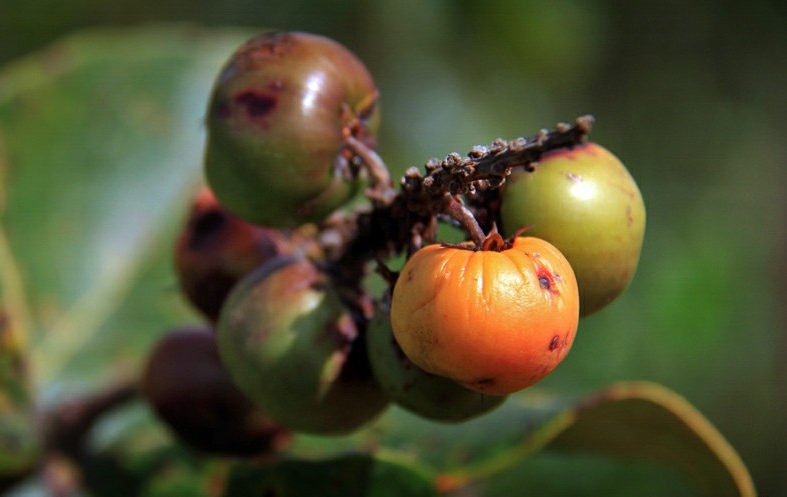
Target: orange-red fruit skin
{"x": 495, "y": 322}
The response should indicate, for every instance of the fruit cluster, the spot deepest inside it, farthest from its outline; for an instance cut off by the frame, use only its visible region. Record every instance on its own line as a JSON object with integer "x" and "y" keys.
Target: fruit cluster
{"x": 299, "y": 209}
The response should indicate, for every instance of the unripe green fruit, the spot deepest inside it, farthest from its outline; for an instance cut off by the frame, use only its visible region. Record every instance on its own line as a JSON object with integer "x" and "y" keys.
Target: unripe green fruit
{"x": 191, "y": 391}
{"x": 428, "y": 395}
{"x": 292, "y": 347}
{"x": 279, "y": 108}
{"x": 584, "y": 201}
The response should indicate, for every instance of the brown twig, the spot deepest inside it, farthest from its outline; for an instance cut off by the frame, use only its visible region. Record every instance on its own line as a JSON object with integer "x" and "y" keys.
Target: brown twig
{"x": 406, "y": 220}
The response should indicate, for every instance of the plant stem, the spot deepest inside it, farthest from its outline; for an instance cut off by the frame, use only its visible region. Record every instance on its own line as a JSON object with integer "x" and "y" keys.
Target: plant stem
{"x": 406, "y": 220}
{"x": 381, "y": 191}
{"x": 457, "y": 175}
{"x": 467, "y": 220}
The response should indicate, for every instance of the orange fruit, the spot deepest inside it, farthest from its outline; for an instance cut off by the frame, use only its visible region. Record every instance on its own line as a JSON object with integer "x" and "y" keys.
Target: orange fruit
{"x": 495, "y": 321}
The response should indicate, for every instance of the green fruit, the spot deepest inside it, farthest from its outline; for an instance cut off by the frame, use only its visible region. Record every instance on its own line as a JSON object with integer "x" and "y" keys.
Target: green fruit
{"x": 293, "y": 348}
{"x": 191, "y": 391}
{"x": 584, "y": 201}
{"x": 275, "y": 153}
{"x": 428, "y": 395}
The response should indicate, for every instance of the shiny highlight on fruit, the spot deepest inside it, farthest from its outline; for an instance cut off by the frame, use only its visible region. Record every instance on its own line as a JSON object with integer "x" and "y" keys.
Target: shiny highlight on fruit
{"x": 292, "y": 346}
{"x": 276, "y": 121}
{"x": 584, "y": 201}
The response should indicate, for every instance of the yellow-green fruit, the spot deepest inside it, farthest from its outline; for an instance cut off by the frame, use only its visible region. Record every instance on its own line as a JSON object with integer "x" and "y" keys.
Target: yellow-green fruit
{"x": 584, "y": 201}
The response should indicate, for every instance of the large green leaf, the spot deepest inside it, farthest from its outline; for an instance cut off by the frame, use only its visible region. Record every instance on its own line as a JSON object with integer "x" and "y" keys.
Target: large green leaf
{"x": 103, "y": 135}
{"x": 19, "y": 440}
{"x": 628, "y": 421}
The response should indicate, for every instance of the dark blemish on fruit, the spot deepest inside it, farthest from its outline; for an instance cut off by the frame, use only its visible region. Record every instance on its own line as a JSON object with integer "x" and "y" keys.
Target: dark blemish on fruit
{"x": 222, "y": 110}
{"x": 554, "y": 343}
{"x": 484, "y": 382}
{"x": 546, "y": 280}
{"x": 318, "y": 286}
{"x": 256, "y": 104}
{"x": 629, "y": 216}
{"x": 206, "y": 228}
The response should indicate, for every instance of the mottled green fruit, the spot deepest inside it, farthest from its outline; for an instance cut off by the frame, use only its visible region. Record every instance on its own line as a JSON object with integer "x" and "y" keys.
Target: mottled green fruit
{"x": 292, "y": 347}
{"x": 584, "y": 201}
{"x": 275, "y": 153}
{"x": 428, "y": 395}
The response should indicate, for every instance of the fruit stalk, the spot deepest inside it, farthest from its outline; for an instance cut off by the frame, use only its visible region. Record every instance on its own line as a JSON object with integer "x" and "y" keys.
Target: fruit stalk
{"x": 457, "y": 175}
{"x": 406, "y": 221}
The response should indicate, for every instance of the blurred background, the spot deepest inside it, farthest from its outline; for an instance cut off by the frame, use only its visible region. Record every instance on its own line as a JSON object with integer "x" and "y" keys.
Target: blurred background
{"x": 691, "y": 95}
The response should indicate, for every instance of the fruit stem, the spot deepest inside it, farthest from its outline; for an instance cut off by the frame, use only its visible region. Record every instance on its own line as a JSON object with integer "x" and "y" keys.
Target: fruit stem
{"x": 406, "y": 219}
{"x": 457, "y": 175}
{"x": 457, "y": 210}
{"x": 381, "y": 191}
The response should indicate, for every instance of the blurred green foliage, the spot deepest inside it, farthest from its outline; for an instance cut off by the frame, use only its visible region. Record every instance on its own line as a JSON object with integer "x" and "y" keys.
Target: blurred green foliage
{"x": 690, "y": 95}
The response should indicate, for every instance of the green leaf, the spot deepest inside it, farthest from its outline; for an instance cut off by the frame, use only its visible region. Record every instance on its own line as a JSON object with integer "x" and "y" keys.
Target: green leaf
{"x": 19, "y": 439}
{"x": 354, "y": 474}
{"x": 634, "y": 420}
{"x": 103, "y": 136}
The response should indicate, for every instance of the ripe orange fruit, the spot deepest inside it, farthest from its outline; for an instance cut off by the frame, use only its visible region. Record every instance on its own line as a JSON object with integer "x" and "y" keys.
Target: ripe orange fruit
{"x": 495, "y": 321}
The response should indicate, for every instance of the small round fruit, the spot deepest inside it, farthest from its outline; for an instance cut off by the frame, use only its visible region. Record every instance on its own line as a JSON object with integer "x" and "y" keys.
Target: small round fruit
{"x": 293, "y": 348}
{"x": 584, "y": 201}
{"x": 493, "y": 321}
{"x": 275, "y": 153}
{"x": 192, "y": 392}
{"x": 426, "y": 394}
{"x": 216, "y": 248}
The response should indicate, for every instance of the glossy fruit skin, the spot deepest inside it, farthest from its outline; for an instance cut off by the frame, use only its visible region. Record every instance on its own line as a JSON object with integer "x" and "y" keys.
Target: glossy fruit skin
{"x": 292, "y": 347}
{"x": 584, "y": 201}
{"x": 410, "y": 387}
{"x": 493, "y": 321}
{"x": 275, "y": 153}
{"x": 215, "y": 249}
{"x": 190, "y": 390}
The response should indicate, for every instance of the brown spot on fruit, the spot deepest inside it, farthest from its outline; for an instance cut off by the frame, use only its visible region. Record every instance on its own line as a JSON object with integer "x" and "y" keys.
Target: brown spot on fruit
{"x": 483, "y": 382}
{"x": 256, "y": 104}
{"x": 222, "y": 110}
{"x": 207, "y": 228}
{"x": 546, "y": 280}
{"x": 554, "y": 343}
